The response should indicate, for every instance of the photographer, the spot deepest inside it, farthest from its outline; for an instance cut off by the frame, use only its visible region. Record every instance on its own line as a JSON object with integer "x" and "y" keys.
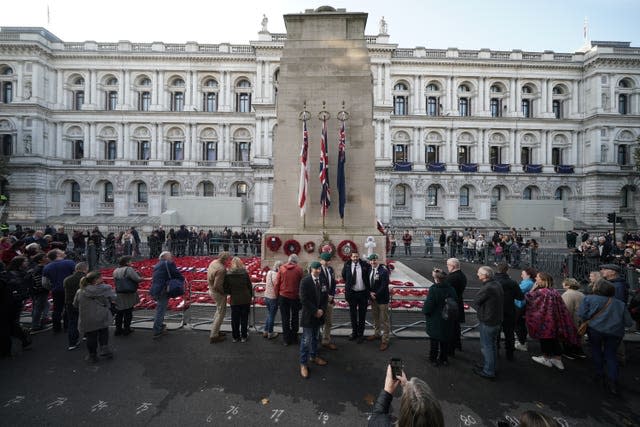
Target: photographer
{"x": 417, "y": 405}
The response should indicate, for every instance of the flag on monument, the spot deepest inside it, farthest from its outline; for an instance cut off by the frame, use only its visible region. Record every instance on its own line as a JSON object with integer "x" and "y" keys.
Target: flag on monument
{"x": 325, "y": 196}
{"x": 304, "y": 171}
{"x": 342, "y": 156}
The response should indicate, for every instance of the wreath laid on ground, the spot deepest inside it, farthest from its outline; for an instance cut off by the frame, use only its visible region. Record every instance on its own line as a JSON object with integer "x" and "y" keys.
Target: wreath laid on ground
{"x": 274, "y": 243}
{"x": 291, "y": 247}
{"x": 309, "y": 247}
{"x": 346, "y": 248}
{"x": 327, "y": 247}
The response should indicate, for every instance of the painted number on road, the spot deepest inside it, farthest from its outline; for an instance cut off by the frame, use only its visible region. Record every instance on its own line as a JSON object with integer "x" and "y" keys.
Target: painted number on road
{"x": 323, "y": 416}
{"x": 144, "y": 406}
{"x": 99, "y": 406}
{"x": 276, "y": 414}
{"x": 233, "y": 410}
{"x": 58, "y": 402}
{"x": 15, "y": 401}
{"x": 467, "y": 420}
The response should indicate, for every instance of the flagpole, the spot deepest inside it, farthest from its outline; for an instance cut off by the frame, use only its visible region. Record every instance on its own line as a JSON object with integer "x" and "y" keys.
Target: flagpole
{"x": 304, "y": 166}
{"x": 343, "y": 116}
{"x": 325, "y": 197}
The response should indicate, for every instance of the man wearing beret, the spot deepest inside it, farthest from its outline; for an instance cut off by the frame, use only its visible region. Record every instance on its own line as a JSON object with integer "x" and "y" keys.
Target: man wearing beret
{"x": 355, "y": 273}
{"x": 379, "y": 279}
{"x": 611, "y": 272}
{"x": 327, "y": 276}
{"x": 313, "y": 297}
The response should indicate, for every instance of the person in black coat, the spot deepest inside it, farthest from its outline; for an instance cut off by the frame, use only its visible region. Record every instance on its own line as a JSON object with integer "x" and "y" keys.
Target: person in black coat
{"x": 355, "y": 273}
{"x": 314, "y": 296}
{"x": 379, "y": 280}
{"x": 440, "y": 330}
{"x": 512, "y": 292}
{"x": 458, "y": 281}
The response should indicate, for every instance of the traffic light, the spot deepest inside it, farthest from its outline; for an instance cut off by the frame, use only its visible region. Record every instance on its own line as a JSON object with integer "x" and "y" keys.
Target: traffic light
{"x": 611, "y": 217}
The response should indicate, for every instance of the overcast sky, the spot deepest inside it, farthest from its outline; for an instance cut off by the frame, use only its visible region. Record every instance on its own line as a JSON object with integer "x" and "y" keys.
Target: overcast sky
{"x": 533, "y": 25}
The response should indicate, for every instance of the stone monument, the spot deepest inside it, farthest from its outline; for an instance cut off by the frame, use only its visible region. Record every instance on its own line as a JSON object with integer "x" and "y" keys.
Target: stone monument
{"x": 325, "y": 72}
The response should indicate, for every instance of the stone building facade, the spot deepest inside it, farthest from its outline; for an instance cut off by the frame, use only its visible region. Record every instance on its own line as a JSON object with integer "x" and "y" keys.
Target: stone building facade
{"x": 115, "y": 129}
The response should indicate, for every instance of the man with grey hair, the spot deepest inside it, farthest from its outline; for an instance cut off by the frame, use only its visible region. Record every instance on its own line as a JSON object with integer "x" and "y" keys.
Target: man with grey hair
{"x": 287, "y": 288}
{"x": 215, "y": 276}
{"x": 164, "y": 270}
{"x": 489, "y": 303}
{"x": 457, "y": 279}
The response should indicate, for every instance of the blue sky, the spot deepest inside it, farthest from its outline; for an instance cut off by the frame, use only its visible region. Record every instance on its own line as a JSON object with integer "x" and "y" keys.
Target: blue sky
{"x": 467, "y": 24}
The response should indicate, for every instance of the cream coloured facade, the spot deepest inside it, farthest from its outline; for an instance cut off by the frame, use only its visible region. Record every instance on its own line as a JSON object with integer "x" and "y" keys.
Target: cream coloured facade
{"x": 117, "y": 128}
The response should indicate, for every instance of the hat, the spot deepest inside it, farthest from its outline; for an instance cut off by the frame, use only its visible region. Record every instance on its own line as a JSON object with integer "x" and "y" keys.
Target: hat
{"x": 372, "y": 257}
{"x": 326, "y": 256}
{"x": 315, "y": 264}
{"x": 614, "y": 267}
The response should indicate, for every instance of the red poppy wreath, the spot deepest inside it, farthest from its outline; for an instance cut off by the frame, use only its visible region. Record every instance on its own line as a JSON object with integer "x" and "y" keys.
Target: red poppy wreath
{"x": 291, "y": 247}
{"x": 274, "y": 243}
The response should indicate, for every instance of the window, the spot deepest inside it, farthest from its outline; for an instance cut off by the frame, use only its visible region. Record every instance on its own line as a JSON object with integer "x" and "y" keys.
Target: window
{"x": 242, "y": 151}
{"x": 495, "y": 155}
{"x": 177, "y": 150}
{"x": 145, "y": 82}
{"x": 210, "y": 152}
{"x": 432, "y": 106}
{"x": 174, "y": 189}
{"x": 75, "y": 192}
{"x": 78, "y": 149}
{"x": 400, "y": 153}
{"x": 177, "y": 101}
{"x": 210, "y": 102}
{"x": 7, "y": 145}
{"x": 496, "y": 196}
{"x": 110, "y": 150}
{"x": 557, "y": 90}
{"x": 557, "y": 108}
{"x": 78, "y": 100}
{"x": 241, "y": 189}
{"x": 464, "y": 196}
{"x": 144, "y": 151}
{"x": 525, "y": 155}
{"x": 112, "y": 100}
{"x": 623, "y": 104}
{"x": 495, "y": 89}
{"x": 527, "y": 193}
{"x": 625, "y": 197}
{"x": 463, "y": 107}
{"x": 431, "y": 154}
{"x": 108, "y": 192}
{"x": 432, "y": 87}
{"x": 401, "y": 195}
{"x": 400, "y": 100}
{"x": 495, "y": 107}
{"x": 112, "y": 81}
{"x": 243, "y": 97}
{"x": 558, "y": 194}
{"x": 623, "y": 155}
{"x": 463, "y": 154}
{"x": 432, "y": 195}
{"x": 207, "y": 189}
{"x": 556, "y": 156}
{"x": 527, "y": 89}
{"x": 7, "y": 92}
{"x": 144, "y": 101}
{"x": 142, "y": 193}
{"x": 526, "y": 108}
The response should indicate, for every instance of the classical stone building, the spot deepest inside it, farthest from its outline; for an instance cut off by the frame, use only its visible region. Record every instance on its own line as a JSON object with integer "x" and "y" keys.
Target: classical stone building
{"x": 115, "y": 129}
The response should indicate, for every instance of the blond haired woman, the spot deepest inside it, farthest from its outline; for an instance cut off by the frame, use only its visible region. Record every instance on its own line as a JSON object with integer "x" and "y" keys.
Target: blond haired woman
{"x": 271, "y": 301}
{"x": 572, "y": 298}
{"x": 238, "y": 284}
{"x": 93, "y": 301}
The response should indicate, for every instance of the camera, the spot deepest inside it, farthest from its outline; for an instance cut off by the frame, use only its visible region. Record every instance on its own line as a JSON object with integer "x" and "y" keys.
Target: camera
{"x": 396, "y": 367}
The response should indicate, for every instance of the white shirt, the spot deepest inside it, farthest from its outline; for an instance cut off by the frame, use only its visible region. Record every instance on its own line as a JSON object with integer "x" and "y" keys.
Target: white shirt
{"x": 356, "y": 270}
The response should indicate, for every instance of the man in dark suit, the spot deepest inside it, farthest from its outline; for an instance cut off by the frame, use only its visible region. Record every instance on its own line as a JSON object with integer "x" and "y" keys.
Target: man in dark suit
{"x": 327, "y": 276}
{"x": 511, "y": 291}
{"x": 458, "y": 281}
{"x": 313, "y": 297}
{"x": 379, "y": 280}
{"x": 355, "y": 273}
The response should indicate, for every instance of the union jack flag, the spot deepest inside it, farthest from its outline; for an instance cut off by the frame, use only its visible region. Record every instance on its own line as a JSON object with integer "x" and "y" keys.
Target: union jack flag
{"x": 304, "y": 170}
{"x": 325, "y": 196}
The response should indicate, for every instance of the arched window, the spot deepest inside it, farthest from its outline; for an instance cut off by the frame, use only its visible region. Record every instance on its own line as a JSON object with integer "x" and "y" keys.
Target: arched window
{"x": 78, "y": 149}
{"x": 464, "y": 196}
{"x": 174, "y": 189}
{"x": 400, "y": 153}
{"x": 495, "y": 155}
{"x": 400, "y": 100}
{"x": 463, "y": 106}
{"x": 526, "y": 108}
{"x": 464, "y": 155}
{"x": 209, "y": 151}
{"x": 210, "y": 96}
{"x": 556, "y": 156}
{"x": 432, "y": 195}
{"x": 496, "y": 196}
{"x": 432, "y": 87}
{"x": 144, "y": 150}
{"x": 177, "y": 94}
{"x": 242, "y": 151}
{"x": 112, "y": 100}
{"x": 558, "y": 195}
{"x": 243, "y": 96}
{"x": 557, "y": 108}
{"x": 112, "y": 81}
{"x": 78, "y": 99}
{"x": 625, "y": 197}
{"x": 7, "y": 92}
{"x": 177, "y": 150}
{"x": 142, "y": 196}
{"x": 431, "y": 154}
{"x": 108, "y": 192}
{"x": 623, "y": 155}
{"x": 110, "y": 150}
{"x": 525, "y": 155}
{"x": 400, "y": 199}
{"x": 623, "y": 103}
{"x": 527, "y": 89}
{"x": 207, "y": 189}
{"x": 144, "y": 94}
{"x": 7, "y": 145}
{"x": 527, "y": 194}
{"x": 495, "y": 105}
{"x": 75, "y": 192}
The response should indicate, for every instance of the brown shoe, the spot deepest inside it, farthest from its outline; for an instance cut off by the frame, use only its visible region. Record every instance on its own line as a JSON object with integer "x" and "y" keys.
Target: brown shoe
{"x": 319, "y": 361}
{"x": 222, "y": 334}
{"x": 217, "y": 339}
{"x": 304, "y": 371}
{"x": 373, "y": 337}
{"x": 384, "y": 346}
{"x": 330, "y": 346}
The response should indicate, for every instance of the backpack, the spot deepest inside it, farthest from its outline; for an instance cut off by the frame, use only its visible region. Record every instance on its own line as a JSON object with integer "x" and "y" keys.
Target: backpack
{"x": 17, "y": 285}
{"x": 450, "y": 309}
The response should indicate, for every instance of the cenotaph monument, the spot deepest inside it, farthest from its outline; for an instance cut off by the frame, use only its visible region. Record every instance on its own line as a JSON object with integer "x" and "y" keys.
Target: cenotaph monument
{"x": 325, "y": 80}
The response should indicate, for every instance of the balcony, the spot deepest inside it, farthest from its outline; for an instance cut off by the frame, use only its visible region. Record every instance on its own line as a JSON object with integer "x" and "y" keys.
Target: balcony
{"x": 563, "y": 168}
{"x": 105, "y": 208}
{"x": 468, "y": 167}
{"x": 466, "y": 212}
{"x": 240, "y": 164}
{"x": 173, "y": 163}
{"x": 139, "y": 208}
{"x": 72, "y": 162}
{"x": 72, "y": 208}
{"x": 532, "y": 168}
{"x": 402, "y": 166}
{"x": 436, "y": 167}
{"x": 105, "y": 162}
{"x": 434, "y": 212}
{"x": 208, "y": 163}
{"x": 139, "y": 162}
{"x": 501, "y": 168}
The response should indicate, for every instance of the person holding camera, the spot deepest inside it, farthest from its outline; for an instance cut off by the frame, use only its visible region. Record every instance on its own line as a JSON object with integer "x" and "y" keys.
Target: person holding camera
{"x": 418, "y": 407}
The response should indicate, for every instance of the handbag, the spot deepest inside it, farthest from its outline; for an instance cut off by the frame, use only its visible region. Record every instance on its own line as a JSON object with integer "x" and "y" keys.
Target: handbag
{"x": 124, "y": 285}
{"x": 582, "y": 329}
{"x": 175, "y": 287}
